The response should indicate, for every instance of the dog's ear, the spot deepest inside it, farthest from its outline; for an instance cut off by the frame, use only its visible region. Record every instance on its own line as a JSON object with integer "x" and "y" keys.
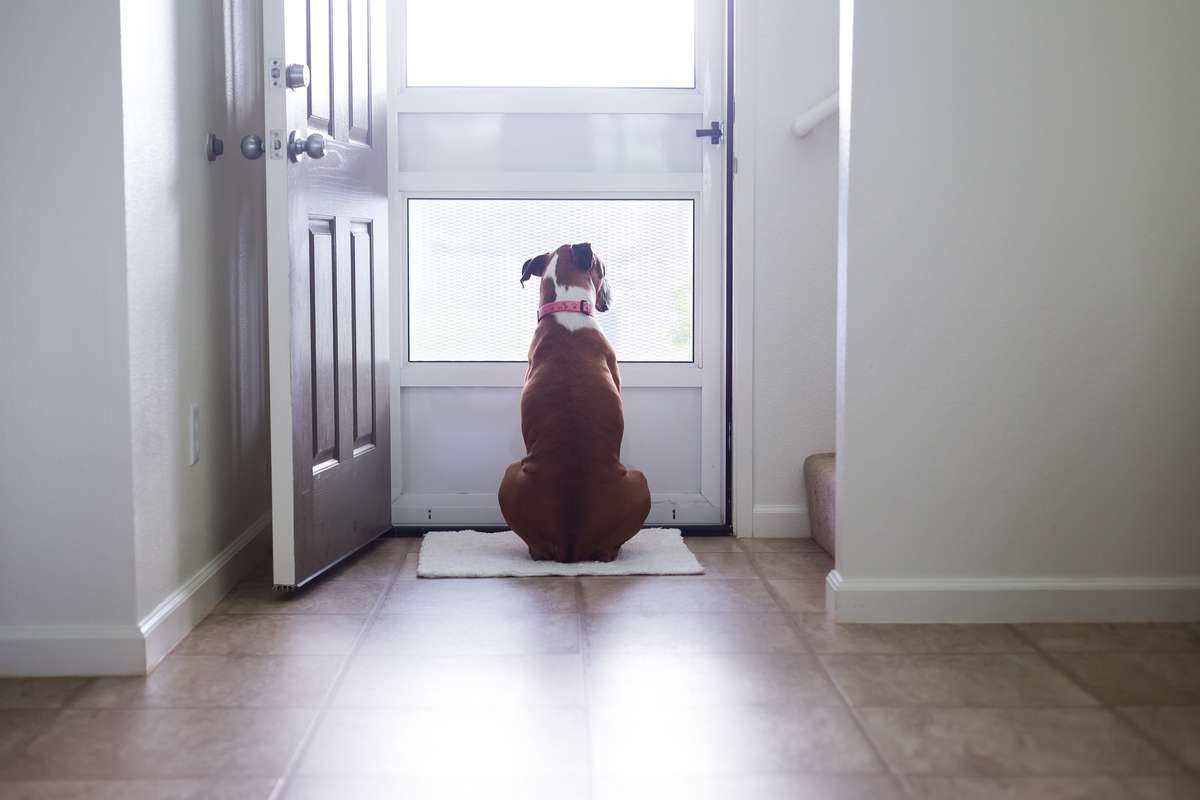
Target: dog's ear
{"x": 534, "y": 266}
{"x": 581, "y": 254}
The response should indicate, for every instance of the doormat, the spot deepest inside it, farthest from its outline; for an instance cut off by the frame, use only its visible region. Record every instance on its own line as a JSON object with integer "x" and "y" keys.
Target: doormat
{"x": 472, "y": 554}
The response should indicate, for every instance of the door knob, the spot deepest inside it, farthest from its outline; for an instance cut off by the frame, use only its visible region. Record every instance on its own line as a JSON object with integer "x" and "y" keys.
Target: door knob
{"x": 297, "y": 76}
{"x": 313, "y": 146}
{"x": 252, "y": 146}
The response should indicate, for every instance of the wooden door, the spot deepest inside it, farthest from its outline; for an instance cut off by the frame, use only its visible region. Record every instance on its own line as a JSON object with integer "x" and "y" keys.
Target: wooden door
{"x": 327, "y": 280}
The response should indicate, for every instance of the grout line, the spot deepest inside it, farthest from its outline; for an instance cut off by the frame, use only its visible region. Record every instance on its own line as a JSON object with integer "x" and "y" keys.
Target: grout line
{"x": 310, "y": 732}
{"x": 792, "y": 621}
{"x": 1104, "y": 705}
{"x": 585, "y": 658}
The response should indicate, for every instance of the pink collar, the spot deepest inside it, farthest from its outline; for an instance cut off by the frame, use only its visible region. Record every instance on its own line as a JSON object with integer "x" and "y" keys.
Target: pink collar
{"x": 580, "y": 306}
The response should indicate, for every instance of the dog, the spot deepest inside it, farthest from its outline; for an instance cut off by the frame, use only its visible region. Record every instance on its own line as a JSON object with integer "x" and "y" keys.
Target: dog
{"x": 570, "y": 498}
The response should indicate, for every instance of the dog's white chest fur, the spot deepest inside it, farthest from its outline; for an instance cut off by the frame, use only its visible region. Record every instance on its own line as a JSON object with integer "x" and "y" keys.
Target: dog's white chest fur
{"x": 571, "y": 321}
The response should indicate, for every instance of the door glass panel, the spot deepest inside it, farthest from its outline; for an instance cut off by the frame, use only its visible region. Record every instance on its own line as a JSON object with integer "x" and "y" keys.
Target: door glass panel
{"x": 546, "y": 43}
{"x": 464, "y": 267}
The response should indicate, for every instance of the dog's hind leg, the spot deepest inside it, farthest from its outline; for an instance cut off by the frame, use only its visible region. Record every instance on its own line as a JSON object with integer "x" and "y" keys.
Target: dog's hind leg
{"x": 530, "y": 512}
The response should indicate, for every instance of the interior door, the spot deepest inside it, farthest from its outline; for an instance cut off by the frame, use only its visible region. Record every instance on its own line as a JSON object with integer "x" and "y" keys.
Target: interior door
{"x": 518, "y": 127}
{"x": 327, "y": 248}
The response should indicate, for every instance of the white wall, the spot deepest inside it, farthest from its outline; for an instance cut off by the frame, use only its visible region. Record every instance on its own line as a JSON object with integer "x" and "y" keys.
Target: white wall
{"x": 65, "y": 480}
{"x": 1020, "y": 432}
{"x": 786, "y": 60}
{"x": 196, "y": 303}
{"x": 132, "y": 287}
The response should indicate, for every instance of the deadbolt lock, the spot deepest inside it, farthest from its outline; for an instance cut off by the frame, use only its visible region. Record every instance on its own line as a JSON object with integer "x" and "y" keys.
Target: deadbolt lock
{"x": 297, "y": 76}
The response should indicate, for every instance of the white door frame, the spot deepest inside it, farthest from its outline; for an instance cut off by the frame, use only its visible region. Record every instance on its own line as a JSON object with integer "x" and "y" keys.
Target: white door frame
{"x": 711, "y": 71}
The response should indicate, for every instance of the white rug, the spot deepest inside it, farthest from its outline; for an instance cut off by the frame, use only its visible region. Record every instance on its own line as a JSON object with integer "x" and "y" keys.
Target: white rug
{"x": 471, "y": 554}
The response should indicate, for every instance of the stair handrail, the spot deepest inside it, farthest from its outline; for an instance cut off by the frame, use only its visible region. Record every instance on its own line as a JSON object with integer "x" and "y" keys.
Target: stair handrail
{"x": 804, "y": 124}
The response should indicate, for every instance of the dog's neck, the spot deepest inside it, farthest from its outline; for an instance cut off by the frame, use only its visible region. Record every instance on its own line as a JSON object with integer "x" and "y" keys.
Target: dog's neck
{"x": 552, "y": 291}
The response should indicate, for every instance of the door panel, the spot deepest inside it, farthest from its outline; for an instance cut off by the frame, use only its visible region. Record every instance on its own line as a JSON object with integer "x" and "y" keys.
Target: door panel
{"x": 323, "y": 362}
{"x": 327, "y": 248}
{"x": 500, "y": 155}
{"x": 359, "y": 94}
{"x": 363, "y": 311}
{"x": 319, "y": 41}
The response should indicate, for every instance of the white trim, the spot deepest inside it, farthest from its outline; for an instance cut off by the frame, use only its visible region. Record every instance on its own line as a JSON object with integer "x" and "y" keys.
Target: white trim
{"x": 742, "y": 415}
{"x": 471, "y": 184}
{"x": 534, "y": 100}
{"x": 1050, "y": 599}
{"x": 61, "y": 650}
{"x": 781, "y": 521}
{"x": 279, "y": 313}
{"x": 483, "y": 508}
{"x": 512, "y": 374}
{"x": 182, "y": 609}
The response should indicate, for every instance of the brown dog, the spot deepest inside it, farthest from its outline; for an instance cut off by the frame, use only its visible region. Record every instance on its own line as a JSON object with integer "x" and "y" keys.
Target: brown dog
{"x": 570, "y": 498}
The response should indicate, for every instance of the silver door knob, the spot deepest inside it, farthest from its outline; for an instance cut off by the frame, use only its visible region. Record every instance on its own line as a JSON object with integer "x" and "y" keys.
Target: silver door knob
{"x": 297, "y": 76}
{"x": 313, "y": 146}
{"x": 252, "y": 146}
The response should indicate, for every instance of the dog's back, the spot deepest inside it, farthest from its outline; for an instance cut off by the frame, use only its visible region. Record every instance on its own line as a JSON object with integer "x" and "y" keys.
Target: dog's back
{"x": 570, "y": 498}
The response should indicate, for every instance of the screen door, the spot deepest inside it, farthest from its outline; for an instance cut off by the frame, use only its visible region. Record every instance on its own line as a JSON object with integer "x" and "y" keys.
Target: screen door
{"x": 520, "y": 126}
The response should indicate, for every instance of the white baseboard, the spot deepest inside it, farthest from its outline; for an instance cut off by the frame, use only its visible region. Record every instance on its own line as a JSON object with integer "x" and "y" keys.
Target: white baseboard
{"x": 59, "y": 650}
{"x": 781, "y": 521}
{"x": 182, "y": 610}
{"x": 1062, "y": 599}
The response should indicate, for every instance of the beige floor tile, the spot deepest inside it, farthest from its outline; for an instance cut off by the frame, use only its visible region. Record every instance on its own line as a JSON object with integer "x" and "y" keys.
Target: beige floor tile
{"x": 751, "y": 787}
{"x": 527, "y": 743}
{"x": 378, "y": 561}
{"x": 272, "y": 635}
{"x": 681, "y": 594}
{"x": 1111, "y": 637}
{"x": 792, "y": 545}
{"x": 219, "y": 682}
{"x": 726, "y": 565}
{"x": 162, "y": 743}
{"x": 691, "y": 633}
{"x": 247, "y": 789}
{"x": 1138, "y": 678}
{"x": 37, "y": 692}
{"x": 711, "y": 544}
{"x": 19, "y": 727}
{"x": 994, "y": 679}
{"x": 1081, "y": 788}
{"x": 465, "y": 682}
{"x": 1176, "y": 729}
{"x": 1164, "y": 788}
{"x": 824, "y": 635}
{"x": 727, "y": 740}
{"x": 793, "y": 565}
{"x": 408, "y": 570}
{"x": 665, "y": 679}
{"x": 1010, "y": 741}
{"x": 506, "y": 596}
{"x": 320, "y": 597}
{"x": 807, "y": 596}
{"x": 468, "y": 634}
{"x": 481, "y": 788}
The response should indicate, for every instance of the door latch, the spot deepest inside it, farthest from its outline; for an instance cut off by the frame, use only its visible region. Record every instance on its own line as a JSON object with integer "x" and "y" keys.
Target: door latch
{"x": 713, "y": 133}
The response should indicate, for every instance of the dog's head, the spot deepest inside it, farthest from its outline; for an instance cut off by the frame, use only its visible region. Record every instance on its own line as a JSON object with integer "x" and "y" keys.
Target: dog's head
{"x": 570, "y": 265}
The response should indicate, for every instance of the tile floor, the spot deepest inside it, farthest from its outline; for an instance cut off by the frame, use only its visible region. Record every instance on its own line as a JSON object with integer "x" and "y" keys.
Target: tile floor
{"x": 734, "y": 685}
